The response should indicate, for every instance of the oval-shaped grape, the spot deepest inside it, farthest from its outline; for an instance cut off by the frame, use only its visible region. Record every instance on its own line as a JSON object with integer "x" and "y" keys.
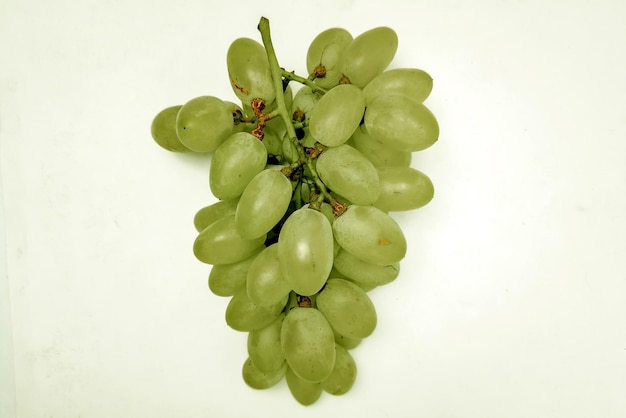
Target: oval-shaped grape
{"x": 220, "y": 243}
{"x": 163, "y": 130}
{"x": 401, "y": 123}
{"x": 211, "y": 213}
{"x": 369, "y": 54}
{"x": 324, "y": 56}
{"x": 263, "y": 203}
{"x": 249, "y": 71}
{"x": 305, "y": 250}
{"x": 403, "y": 188}
{"x": 244, "y": 315}
{"x": 266, "y": 284}
{"x": 343, "y": 375}
{"x": 259, "y": 379}
{"x": 227, "y": 279}
{"x": 370, "y": 234}
{"x": 349, "y": 173}
{"x": 377, "y": 152}
{"x": 347, "y": 308}
{"x": 303, "y": 104}
{"x": 203, "y": 123}
{"x": 347, "y": 342}
{"x": 308, "y": 343}
{"x": 304, "y": 392}
{"x": 234, "y": 164}
{"x": 264, "y": 347}
{"x": 337, "y": 115}
{"x": 364, "y": 273}
{"x": 411, "y": 82}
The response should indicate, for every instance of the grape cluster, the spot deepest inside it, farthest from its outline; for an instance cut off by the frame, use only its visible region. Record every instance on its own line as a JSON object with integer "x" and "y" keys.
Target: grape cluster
{"x": 305, "y": 182}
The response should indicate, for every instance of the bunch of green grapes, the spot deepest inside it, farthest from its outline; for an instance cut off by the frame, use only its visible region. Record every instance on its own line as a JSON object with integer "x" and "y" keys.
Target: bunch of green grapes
{"x": 301, "y": 231}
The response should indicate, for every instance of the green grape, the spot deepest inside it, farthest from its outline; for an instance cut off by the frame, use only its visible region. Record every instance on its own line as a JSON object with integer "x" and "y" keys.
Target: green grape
{"x": 249, "y": 71}
{"x": 370, "y": 234}
{"x": 263, "y": 203}
{"x": 272, "y": 141}
{"x": 347, "y": 308}
{"x": 412, "y": 82}
{"x": 238, "y": 114}
{"x": 324, "y": 56}
{"x": 203, "y": 123}
{"x": 220, "y": 243}
{"x": 364, "y": 273}
{"x": 343, "y": 375}
{"x": 349, "y": 173}
{"x": 266, "y": 284}
{"x": 306, "y": 393}
{"x": 337, "y": 115}
{"x": 401, "y": 123}
{"x": 368, "y": 55}
{"x": 227, "y": 279}
{"x": 403, "y": 188}
{"x": 244, "y": 315}
{"x": 163, "y": 130}
{"x": 347, "y": 342}
{"x": 377, "y": 152}
{"x": 308, "y": 343}
{"x": 259, "y": 379}
{"x": 290, "y": 152}
{"x": 209, "y": 214}
{"x": 304, "y": 102}
{"x": 264, "y": 347}
{"x": 235, "y": 163}
{"x": 305, "y": 250}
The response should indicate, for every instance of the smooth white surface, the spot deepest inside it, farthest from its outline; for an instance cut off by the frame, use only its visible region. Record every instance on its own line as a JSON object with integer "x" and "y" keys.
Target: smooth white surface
{"x": 510, "y": 303}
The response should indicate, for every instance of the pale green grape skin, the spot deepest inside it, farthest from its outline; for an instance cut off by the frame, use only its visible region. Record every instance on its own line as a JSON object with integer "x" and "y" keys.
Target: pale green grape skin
{"x": 163, "y": 130}
{"x": 349, "y": 173}
{"x": 220, "y": 243}
{"x": 211, "y": 213}
{"x": 401, "y": 123}
{"x": 411, "y": 82}
{"x": 375, "y": 151}
{"x": 347, "y": 308}
{"x": 343, "y": 375}
{"x": 203, "y": 123}
{"x": 306, "y": 393}
{"x": 370, "y": 234}
{"x": 308, "y": 343}
{"x": 236, "y": 162}
{"x": 347, "y": 342}
{"x": 263, "y": 203}
{"x": 305, "y": 250}
{"x": 244, "y": 315}
{"x": 327, "y": 50}
{"x": 403, "y": 188}
{"x": 260, "y": 379}
{"x": 272, "y": 141}
{"x": 264, "y": 347}
{"x": 337, "y": 115}
{"x": 227, "y": 279}
{"x": 305, "y": 101}
{"x": 363, "y": 273}
{"x": 369, "y": 54}
{"x": 290, "y": 152}
{"x": 249, "y": 71}
{"x": 266, "y": 284}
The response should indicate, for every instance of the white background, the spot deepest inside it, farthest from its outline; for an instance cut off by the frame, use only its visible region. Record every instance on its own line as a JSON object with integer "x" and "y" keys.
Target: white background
{"x": 511, "y": 302}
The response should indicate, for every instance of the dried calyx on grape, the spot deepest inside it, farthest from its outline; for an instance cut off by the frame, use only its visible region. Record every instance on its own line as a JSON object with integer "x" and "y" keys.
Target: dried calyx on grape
{"x": 301, "y": 231}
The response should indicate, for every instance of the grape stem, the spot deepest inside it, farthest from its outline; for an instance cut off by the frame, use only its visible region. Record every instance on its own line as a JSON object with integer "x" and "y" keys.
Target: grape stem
{"x": 281, "y": 108}
{"x": 290, "y": 75}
